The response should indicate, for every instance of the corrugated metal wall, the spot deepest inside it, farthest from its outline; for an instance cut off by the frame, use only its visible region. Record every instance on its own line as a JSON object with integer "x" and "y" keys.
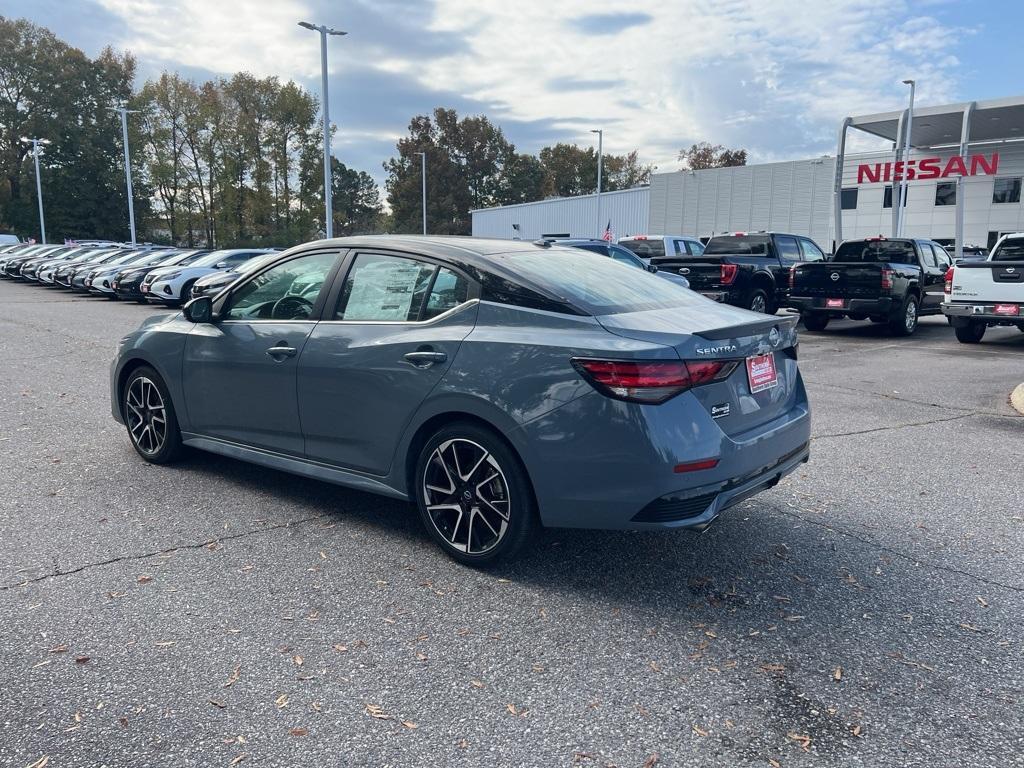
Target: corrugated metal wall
{"x": 628, "y": 210}
{"x": 793, "y": 196}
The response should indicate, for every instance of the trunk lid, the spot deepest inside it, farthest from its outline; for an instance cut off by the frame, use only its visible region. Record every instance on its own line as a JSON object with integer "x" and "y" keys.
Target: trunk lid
{"x": 711, "y": 331}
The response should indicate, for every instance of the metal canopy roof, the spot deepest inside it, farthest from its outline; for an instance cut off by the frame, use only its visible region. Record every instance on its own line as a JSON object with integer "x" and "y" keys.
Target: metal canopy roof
{"x": 993, "y": 120}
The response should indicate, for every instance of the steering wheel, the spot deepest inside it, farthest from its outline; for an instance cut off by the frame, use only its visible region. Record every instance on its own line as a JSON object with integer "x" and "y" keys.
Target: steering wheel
{"x": 291, "y": 308}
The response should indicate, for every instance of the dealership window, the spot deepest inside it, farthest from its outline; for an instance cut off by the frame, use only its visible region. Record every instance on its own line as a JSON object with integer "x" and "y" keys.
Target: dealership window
{"x": 1006, "y": 190}
{"x": 887, "y": 197}
{"x": 945, "y": 193}
{"x": 848, "y": 199}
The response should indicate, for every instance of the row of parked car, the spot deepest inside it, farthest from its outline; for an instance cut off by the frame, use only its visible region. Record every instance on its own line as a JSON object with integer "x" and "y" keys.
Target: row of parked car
{"x": 890, "y": 281}
{"x": 145, "y": 273}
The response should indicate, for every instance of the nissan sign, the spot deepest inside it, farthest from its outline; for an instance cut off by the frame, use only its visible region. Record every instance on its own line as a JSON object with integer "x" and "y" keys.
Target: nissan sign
{"x": 929, "y": 168}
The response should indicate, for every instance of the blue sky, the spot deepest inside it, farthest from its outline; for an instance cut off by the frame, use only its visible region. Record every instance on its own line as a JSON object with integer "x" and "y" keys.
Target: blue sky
{"x": 774, "y": 76}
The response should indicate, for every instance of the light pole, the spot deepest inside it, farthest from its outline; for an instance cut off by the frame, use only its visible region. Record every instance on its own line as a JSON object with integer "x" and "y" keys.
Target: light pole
{"x": 423, "y": 179}
{"x": 600, "y": 169}
{"x": 901, "y": 214}
{"x": 39, "y": 184}
{"x": 124, "y": 111}
{"x": 324, "y": 32}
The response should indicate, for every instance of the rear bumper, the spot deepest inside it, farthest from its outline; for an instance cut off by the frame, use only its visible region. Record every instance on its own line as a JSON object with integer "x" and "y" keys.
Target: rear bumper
{"x": 601, "y": 463}
{"x": 964, "y": 311}
{"x": 880, "y": 306}
{"x": 723, "y": 295}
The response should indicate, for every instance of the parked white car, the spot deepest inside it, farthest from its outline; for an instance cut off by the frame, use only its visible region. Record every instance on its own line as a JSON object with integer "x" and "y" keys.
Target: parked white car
{"x": 648, "y": 246}
{"x": 980, "y": 294}
{"x": 173, "y": 285}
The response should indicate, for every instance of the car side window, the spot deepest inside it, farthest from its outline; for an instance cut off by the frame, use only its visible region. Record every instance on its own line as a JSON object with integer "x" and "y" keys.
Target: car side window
{"x": 811, "y": 251}
{"x": 941, "y": 257}
{"x": 696, "y": 249}
{"x": 626, "y": 257}
{"x": 927, "y": 255}
{"x": 788, "y": 249}
{"x": 448, "y": 291}
{"x": 679, "y": 247}
{"x": 286, "y": 291}
{"x": 381, "y": 288}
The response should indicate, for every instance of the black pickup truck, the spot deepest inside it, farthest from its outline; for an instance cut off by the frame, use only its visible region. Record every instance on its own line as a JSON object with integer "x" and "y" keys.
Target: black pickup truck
{"x": 749, "y": 270}
{"x": 891, "y": 281}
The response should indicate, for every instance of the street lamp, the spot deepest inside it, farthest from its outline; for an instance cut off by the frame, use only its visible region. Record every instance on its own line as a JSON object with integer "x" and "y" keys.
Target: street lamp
{"x": 124, "y": 112}
{"x": 324, "y": 32}
{"x": 39, "y": 185}
{"x": 423, "y": 176}
{"x": 901, "y": 214}
{"x": 600, "y": 168}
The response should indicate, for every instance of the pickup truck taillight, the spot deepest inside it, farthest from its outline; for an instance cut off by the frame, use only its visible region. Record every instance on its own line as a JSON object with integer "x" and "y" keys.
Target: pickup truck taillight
{"x": 949, "y": 280}
{"x": 886, "y": 279}
{"x": 728, "y": 273}
{"x": 792, "y": 275}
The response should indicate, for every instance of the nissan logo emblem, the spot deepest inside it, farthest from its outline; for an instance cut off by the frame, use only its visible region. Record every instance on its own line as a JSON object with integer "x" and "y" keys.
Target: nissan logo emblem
{"x": 1010, "y": 270}
{"x": 835, "y": 277}
{"x": 774, "y": 337}
{"x": 684, "y": 271}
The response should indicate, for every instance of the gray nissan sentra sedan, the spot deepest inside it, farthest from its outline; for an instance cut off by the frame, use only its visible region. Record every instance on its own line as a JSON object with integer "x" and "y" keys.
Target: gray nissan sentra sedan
{"x": 499, "y": 385}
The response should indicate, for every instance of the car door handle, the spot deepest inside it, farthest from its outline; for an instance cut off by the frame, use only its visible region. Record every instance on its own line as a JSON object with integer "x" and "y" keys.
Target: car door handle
{"x": 424, "y": 358}
{"x": 281, "y": 352}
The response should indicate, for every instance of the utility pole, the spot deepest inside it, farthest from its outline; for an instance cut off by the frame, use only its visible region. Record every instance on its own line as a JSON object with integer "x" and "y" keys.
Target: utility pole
{"x": 124, "y": 111}
{"x": 324, "y": 32}
{"x": 902, "y": 213}
{"x": 39, "y": 184}
{"x": 423, "y": 178}
{"x": 600, "y": 169}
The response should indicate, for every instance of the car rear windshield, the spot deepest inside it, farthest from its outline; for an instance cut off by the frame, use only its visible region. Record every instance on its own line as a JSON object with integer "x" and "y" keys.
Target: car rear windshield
{"x": 1010, "y": 250}
{"x": 596, "y": 284}
{"x": 752, "y": 245}
{"x": 877, "y": 251}
{"x": 645, "y": 249}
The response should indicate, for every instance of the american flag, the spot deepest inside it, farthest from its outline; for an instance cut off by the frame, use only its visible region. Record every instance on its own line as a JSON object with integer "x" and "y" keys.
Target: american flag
{"x": 608, "y": 236}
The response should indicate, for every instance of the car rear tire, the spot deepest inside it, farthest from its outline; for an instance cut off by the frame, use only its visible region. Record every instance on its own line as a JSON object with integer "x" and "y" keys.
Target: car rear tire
{"x": 904, "y": 323}
{"x": 815, "y": 321}
{"x": 758, "y": 301}
{"x": 971, "y": 332}
{"x": 857, "y": 316}
{"x": 473, "y": 494}
{"x": 150, "y": 418}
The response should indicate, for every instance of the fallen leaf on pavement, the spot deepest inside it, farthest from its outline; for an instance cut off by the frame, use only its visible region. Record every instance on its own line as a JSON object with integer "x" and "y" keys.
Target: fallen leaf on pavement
{"x": 803, "y": 741}
{"x": 476, "y": 683}
{"x": 982, "y": 601}
{"x": 144, "y": 579}
{"x": 377, "y": 712}
{"x": 838, "y": 674}
{"x": 281, "y": 701}
{"x": 165, "y": 643}
{"x": 512, "y": 709}
{"x": 81, "y": 659}
{"x": 218, "y": 704}
{"x": 970, "y": 627}
{"x": 239, "y": 759}
{"x": 298, "y": 731}
{"x": 235, "y": 674}
{"x": 42, "y": 762}
{"x": 297, "y": 660}
{"x": 409, "y": 724}
{"x": 340, "y": 648}
{"x": 651, "y": 760}
{"x": 699, "y": 731}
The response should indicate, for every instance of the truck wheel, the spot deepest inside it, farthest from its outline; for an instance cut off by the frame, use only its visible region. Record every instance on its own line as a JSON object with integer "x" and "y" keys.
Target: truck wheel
{"x": 858, "y": 316}
{"x": 815, "y": 321}
{"x": 970, "y": 333}
{"x": 758, "y": 301}
{"x": 904, "y": 322}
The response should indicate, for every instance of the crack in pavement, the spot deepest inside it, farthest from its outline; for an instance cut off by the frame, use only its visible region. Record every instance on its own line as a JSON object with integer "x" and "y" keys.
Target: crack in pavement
{"x": 157, "y": 553}
{"x": 895, "y": 552}
{"x": 900, "y": 426}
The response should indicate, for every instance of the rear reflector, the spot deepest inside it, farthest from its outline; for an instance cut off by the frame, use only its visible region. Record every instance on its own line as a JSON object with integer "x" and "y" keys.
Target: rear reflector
{"x": 650, "y": 381}
{"x": 694, "y": 466}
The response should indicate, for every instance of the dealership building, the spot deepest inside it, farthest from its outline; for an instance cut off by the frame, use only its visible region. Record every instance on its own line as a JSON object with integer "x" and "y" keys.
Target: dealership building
{"x": 963, "y": 184}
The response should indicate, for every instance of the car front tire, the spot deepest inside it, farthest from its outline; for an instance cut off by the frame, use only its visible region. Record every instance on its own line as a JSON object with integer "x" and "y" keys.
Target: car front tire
{"x": 815, "y": 321}
{"x": 473, "y": 495}
{"x": 149, "y": 417}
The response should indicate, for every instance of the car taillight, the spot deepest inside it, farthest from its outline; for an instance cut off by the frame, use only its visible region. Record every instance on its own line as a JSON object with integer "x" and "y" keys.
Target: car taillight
{"x": 949, "y": 280}
{"x": 886, "y": 279}
{"x": 650, "y": 381}
{"x": 792, "y": 275}
{"x": 728, "y": 273}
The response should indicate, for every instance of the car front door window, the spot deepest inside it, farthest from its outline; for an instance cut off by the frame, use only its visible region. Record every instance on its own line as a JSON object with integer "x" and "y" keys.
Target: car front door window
{"x": 381, "y": 288}
{"x": 811, "y": 251}
{"x": 287, "y": 291}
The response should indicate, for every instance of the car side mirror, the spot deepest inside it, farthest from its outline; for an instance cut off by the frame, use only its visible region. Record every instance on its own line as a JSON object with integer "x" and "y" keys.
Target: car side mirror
{"x": 220, "y": 265}
{"x": 199, "y": 310}
{"x": 652, "y": 268}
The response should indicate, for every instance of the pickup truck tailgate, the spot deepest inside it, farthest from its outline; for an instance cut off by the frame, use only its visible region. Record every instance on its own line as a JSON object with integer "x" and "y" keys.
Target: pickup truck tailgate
{"x": 837, "y": 280}
{"x": 988, "y": 281}
{"x": 703, "y": 274}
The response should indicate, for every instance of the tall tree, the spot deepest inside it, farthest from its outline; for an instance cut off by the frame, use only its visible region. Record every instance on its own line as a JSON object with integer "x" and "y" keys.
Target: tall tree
{"x": 705, "y": 155}
{"x": 355, "y": 200}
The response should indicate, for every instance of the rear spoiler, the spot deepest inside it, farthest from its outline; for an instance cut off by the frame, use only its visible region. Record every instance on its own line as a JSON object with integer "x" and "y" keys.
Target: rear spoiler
{"x": 750, "y": 329}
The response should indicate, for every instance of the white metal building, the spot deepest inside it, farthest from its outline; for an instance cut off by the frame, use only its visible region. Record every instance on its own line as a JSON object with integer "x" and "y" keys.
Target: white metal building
{"x": 964, "y": 170}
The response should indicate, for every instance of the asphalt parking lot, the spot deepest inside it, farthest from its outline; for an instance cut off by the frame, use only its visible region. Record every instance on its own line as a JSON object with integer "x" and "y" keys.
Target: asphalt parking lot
{"x": 867, "y": 611}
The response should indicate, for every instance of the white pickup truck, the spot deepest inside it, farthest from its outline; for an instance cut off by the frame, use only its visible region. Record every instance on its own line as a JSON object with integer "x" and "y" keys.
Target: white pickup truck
{"x": 990, "y": 292}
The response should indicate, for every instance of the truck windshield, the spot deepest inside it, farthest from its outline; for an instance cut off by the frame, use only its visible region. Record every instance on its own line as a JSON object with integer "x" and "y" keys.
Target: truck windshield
{"x": 754, "y": 245}
{"x": 645, "y": 248}
{"x": 877, "y": 251}
{"x": 1010, "y": 250}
